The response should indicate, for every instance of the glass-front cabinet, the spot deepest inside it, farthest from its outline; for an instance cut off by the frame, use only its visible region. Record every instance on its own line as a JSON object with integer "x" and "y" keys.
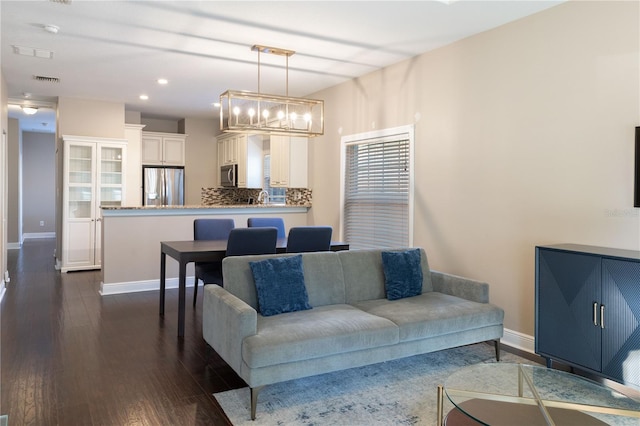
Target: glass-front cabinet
{"x": 93, "y": 177}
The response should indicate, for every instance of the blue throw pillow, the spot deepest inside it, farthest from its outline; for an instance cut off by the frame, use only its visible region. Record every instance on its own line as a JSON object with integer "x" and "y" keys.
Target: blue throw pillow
{"x": 280, "y": 285}
{"x": 402, "y": 273}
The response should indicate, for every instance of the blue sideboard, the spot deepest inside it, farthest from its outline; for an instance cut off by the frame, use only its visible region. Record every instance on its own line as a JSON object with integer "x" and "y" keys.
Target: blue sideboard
{"x": 588, "y": 309}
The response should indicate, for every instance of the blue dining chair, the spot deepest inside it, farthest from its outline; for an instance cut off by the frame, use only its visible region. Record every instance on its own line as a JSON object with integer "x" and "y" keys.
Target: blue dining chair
{"x": 309, "y": 238}
{"x": 210, "y": 229}
{"x": 246, "y": 241}
{"x": 276, "y": 222}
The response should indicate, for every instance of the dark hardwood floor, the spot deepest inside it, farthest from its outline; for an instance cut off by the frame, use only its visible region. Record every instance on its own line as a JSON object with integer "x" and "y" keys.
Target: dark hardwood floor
{"x": 72, "y": 357}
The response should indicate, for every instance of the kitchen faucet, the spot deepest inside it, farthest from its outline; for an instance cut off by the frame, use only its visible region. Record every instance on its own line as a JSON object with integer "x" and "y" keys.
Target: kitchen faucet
{"x": 264, "y": 196}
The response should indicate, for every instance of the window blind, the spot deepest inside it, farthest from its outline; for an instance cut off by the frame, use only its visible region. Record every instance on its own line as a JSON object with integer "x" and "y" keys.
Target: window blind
{"x": 377, "y": 192}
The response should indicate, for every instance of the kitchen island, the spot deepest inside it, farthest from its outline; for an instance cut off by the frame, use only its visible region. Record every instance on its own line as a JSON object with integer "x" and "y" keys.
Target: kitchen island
{"x": 131, "y": 239}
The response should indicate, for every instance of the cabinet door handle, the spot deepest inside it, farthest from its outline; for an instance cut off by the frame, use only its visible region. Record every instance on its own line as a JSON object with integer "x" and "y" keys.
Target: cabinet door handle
{"x": 595, "y": 313}
{"x": 601, "y": 316}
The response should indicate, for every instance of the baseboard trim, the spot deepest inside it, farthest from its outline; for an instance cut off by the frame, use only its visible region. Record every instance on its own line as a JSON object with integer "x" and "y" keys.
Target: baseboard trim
{"x": 38, "y": 235}
{"x": 14, "y": 246}
{"x": 137, "y": 286}
{"x": 518, "y": 340}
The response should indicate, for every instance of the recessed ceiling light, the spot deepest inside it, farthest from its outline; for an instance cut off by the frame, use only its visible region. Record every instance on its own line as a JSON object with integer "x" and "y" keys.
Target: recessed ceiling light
{"x": 163, "y": 81}
{"x": 144, "y": 97}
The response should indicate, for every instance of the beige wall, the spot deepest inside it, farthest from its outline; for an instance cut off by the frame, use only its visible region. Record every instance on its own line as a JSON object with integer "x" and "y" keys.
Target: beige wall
{"x": 4, "y": 129}
{"x": 137, "y": 235}
{"x": 14, "y": 215}
{"x": 200, "y": 157}
{"x": 38, "y": 182}
{"x": 524, "y": 136}
{"x": 133, "y": 190}
{"x": 160, "y": 125}
{"x": 83, "y": 117}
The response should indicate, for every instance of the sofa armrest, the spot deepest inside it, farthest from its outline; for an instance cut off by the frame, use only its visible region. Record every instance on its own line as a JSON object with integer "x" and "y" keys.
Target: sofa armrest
{"x": 226, "y": 321}
{"x": 465, "y": 288}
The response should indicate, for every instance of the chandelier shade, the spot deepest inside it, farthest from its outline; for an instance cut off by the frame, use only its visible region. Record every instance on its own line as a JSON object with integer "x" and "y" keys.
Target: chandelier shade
{"x": 243, "y": 111}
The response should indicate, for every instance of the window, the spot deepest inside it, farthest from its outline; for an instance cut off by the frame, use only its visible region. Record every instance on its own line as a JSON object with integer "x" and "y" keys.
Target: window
{"x": 276, "y": 195}
{"x": 377, "y": 189}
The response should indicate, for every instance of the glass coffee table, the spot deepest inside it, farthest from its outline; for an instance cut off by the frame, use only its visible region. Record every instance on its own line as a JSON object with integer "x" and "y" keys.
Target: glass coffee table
{"x": 517, "y": 394}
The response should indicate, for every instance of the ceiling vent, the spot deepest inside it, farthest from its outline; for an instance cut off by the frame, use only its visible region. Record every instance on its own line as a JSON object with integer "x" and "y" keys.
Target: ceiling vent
{"x": 32, "y": 51}
{"x": 46, "y": 79}
{"x": 61, "y": 1}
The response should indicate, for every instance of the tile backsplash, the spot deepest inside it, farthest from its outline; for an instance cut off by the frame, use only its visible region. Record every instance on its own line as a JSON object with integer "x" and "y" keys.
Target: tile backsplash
{"x": 231, "y": 196}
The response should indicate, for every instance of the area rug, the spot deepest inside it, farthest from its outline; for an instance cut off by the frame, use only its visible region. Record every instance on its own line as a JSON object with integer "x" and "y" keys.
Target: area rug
{"x": 401, "y": 392}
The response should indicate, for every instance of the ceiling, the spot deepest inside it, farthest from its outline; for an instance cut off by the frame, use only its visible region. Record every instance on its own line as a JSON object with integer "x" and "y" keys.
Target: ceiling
{"x": 117, "y": 50}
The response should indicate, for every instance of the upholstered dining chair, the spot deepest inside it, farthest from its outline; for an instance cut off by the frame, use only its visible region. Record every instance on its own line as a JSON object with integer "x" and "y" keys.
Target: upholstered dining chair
{"x": 276, "y": 222}
{"x": 309, "y": 238}
{"x": 210, "y": 229}
{"x": 246, "y": 241}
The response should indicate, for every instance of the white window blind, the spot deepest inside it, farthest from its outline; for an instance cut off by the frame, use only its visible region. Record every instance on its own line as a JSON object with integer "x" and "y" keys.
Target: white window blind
{"x": 377, "y": 193}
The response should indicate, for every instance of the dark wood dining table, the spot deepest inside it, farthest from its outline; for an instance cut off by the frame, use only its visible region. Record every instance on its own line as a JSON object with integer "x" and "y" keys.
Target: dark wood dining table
{"x": 201, "y": 251}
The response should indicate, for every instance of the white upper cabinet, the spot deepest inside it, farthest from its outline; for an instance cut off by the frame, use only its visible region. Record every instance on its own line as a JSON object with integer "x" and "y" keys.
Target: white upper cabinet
{"x": 245, "y": 150}
{"x": 288, "y": 162}
{"x": 163, "y": 148}
{"x": 228, "y": 149}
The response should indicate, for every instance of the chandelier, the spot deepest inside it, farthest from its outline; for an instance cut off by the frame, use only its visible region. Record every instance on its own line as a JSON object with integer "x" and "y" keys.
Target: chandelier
{"x": 242, "y": 111}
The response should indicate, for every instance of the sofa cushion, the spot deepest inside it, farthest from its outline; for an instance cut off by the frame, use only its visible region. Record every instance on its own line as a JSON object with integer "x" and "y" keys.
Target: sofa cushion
{"x": 280, "y": 285}
{"x": 433, "y": 314}
{"x": 322, "y": 331}
{"x": 323, "y": 277}
{"x": 364, "y": 276}
{"x": 402, "y": 273}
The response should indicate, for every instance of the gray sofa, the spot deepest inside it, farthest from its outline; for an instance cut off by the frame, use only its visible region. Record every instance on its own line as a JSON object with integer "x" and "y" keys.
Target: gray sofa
{"x": 351, "y": 323}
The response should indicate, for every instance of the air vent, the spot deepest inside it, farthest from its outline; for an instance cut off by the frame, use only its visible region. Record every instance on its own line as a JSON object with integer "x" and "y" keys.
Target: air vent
{"x": 46, "y": 79}
{"x": 32, "y": 51}
{"x": 61, "y": 1}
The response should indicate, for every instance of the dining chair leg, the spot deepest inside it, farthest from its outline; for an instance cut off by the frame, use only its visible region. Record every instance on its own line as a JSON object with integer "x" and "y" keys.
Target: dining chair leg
{"x": 195, "y": 292}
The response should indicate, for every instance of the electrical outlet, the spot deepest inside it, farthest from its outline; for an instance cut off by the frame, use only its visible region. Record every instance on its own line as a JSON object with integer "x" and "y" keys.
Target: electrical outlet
{"x": 42, "y": 223}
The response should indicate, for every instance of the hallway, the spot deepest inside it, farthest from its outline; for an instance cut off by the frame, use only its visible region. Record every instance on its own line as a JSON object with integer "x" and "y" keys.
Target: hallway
{"x": 72, "y": 357}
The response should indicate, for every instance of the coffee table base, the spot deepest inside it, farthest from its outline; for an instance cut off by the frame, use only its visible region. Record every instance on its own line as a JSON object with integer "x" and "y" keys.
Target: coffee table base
{"x": 498, "y": 413}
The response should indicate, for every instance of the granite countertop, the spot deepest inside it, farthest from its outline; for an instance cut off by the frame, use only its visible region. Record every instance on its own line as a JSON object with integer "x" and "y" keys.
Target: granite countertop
{"x": 217, "y": 206}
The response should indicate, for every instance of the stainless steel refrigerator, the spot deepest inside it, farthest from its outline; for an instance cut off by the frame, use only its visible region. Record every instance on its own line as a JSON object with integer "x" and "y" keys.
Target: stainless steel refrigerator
{"x": 162, "y": 186}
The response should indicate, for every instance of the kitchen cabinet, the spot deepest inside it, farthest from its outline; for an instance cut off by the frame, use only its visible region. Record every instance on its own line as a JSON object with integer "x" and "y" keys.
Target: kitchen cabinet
{"x": 228, "y": 149}
{"x": 245, "y": 150}
{"x": 288, "y": 161}
{"x": 587, "y": 309}
{"x": 93, "y": 175}
{"x": 163, "y": 149}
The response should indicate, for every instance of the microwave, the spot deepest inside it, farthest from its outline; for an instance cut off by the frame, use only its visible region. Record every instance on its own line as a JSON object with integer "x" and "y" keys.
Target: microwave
{"x": 228, "y": 176}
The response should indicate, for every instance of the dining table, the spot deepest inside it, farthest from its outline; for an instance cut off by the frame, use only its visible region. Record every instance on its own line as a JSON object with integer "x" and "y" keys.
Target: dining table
{"x": 201, "y": 251}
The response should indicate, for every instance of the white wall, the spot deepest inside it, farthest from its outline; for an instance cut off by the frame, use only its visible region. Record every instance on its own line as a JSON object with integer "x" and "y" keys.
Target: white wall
{"x": 524, "y": 136}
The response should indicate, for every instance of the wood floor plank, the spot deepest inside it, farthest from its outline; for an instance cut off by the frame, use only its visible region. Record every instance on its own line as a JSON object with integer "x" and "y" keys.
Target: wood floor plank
{"x": 73, "y": 357}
